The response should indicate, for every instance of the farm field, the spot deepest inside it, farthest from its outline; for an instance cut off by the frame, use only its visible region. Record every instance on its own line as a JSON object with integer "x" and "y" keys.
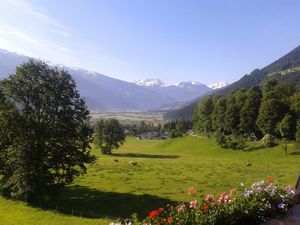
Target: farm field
{"x": 129, "y": 117}
{"x": 165, "y": 170}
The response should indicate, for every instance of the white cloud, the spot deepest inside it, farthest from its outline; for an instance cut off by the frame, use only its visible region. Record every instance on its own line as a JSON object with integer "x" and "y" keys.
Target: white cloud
{"x": 27, "y": 28}
{"x": 28, "y": 10}
{"x": 12, "y": 34}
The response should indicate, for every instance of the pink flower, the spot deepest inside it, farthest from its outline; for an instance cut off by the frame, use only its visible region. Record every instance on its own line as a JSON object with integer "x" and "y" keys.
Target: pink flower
{"x": 193, "y": 204}
{"x": 181, "y": 208}
{"x": 227, "y": 198}
{"x": 209, "y": 198}
{"x": 223, "y": 198}
{"x": 191, "y": 191}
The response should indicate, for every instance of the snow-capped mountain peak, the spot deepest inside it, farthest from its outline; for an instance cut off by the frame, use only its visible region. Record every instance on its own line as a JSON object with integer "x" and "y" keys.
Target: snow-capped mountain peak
{"x": 151, "y": 83}
{"x": 159, "y": 83}
{"x": 218, "y": 85}
{"x": 188, "y": 84}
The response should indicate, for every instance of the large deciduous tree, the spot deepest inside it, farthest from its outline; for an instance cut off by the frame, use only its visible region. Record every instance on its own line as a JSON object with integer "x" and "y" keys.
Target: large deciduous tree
{"x": 44, "y": 130}
{"x": 109, "y": 135}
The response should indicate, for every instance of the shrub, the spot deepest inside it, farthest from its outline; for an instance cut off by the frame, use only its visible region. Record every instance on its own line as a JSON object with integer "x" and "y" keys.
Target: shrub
{"x": 262, "y": 201}
{"x": 230, "y": 141}
{"x": 268, "y": 140}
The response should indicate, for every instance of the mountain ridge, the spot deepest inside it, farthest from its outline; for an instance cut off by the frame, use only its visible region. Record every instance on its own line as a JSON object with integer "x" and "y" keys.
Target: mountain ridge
{"x": 282, "y": 69}
{"x": 105, "y": 93}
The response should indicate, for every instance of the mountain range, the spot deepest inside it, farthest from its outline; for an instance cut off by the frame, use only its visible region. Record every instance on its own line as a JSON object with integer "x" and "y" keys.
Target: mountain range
{"x": 109, "y": 94}
{"x": 286, "y": 69}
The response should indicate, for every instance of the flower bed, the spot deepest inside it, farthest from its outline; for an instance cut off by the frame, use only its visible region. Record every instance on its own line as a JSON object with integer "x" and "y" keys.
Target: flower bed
{"x": 262, "y": 201}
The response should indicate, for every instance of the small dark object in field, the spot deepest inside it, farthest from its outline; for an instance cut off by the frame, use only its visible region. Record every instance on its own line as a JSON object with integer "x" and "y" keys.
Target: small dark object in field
{"x": 116, "y": 160}
{"x": 132, "y": 163}
{"x": 249, "y": 164}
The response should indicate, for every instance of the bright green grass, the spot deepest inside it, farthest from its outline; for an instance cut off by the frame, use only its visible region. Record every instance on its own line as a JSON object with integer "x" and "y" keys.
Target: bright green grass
{"x": 165, "y": 170}
{"x": 18, "y": 213}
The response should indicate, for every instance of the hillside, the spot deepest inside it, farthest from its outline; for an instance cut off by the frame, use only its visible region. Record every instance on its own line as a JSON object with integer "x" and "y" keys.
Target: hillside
{"x": 284, "y": 69}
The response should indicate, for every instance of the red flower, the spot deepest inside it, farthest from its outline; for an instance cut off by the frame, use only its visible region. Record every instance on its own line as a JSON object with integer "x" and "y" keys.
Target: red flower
{"x": 170, "y": 219}
{"x": 153, "y": 214}
{"x": 205, "y": 206}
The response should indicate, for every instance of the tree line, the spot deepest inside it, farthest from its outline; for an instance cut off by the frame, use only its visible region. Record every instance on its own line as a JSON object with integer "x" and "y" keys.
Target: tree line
{"x": 273, "y": 110}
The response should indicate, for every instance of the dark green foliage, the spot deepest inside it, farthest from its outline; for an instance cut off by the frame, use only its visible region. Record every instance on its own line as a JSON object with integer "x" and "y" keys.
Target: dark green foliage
{"x": 275, "y": 104}
{"x": 249, "y": 111}
{"x": 173, "y": 133}
{"x": 235, "y": 102}
{"x": 271, "y": 112}
{"x": 230, "y": 141}
{"x": 218, "y": 115}
{"x": 295, "y": 103}
{"x": 109, "y": 135}
{"x": 99, "y": 133}
{"x": 203, "y": 116}
{"x": 234, "y": 117}
{"x": 178, "y": 128}
{"x": 287, "y": 127}
{"x": 44, "y": 131}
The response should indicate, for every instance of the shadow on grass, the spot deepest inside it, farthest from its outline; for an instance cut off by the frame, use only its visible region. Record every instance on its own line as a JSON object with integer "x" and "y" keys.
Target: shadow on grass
{"x": 295, "y": 153}
{"x": 137, "y": 155}
{"x": 92, "y": 203}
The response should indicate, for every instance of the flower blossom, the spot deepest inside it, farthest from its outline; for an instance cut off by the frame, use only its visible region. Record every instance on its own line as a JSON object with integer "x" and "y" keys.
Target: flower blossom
{"x": 209, "y": 198}
{"x": 281, "y": 205}
{"x": 290, "y": 190}
{"x": 170, "y": 219}
{"x": 248, "y": 192}
{"x": 193, "y": 204}
{"x": 205, "y": 206}
{"x": 192, "y": 191}
{"x": 181, "y": 208}
{"x": 269, "y": 180}
{"x": 155, "y": 213}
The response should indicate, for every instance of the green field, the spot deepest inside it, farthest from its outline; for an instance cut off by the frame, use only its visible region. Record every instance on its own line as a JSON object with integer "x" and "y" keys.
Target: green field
{"x": 129, "y": 117}
{"x": 165, "y": 170}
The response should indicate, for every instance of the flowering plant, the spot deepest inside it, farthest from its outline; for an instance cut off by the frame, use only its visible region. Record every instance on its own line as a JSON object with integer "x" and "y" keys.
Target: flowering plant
{"x": 262, "y": 201}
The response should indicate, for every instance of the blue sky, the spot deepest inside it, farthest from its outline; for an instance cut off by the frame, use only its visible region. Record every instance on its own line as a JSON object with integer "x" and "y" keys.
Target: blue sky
{"x": 174, "y": 40}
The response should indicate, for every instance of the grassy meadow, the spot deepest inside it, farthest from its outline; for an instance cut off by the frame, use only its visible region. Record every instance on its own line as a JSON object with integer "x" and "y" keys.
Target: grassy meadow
{"x": 129, "y": 117}
{"x": 165, "y": 170}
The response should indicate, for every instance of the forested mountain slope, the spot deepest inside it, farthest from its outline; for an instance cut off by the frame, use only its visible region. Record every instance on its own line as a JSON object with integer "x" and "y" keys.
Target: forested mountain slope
{"x": 286, "y": 68}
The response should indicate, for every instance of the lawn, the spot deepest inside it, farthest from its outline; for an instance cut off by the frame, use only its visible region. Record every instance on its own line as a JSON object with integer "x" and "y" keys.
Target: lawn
{"x": 165, "y": 170}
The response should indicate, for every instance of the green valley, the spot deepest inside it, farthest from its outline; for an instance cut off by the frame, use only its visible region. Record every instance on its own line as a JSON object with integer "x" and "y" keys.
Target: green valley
{"x": 165, "y": 170}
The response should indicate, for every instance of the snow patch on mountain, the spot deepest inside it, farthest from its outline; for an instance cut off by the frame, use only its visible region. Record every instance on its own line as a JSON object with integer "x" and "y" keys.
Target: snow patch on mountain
{"x": 218, "y": 85}
{"x": 151, "y": 83}
{"x": 159, "y": 83}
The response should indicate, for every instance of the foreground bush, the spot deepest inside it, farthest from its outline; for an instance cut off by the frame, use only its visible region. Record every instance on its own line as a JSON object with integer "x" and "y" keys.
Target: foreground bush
{"x": 262, "y": 201}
